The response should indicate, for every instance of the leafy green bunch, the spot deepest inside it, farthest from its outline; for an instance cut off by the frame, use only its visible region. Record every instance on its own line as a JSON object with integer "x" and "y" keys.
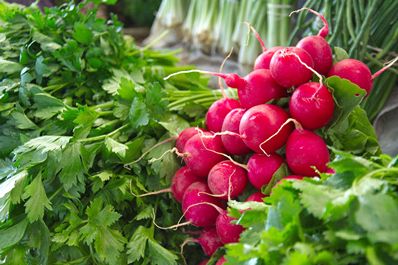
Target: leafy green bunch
{"x": 345, "y": 218}
{"x": 79, "y": 104}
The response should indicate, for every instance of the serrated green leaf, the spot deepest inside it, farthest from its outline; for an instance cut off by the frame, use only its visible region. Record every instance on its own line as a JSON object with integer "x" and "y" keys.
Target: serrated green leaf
{"x": 36, "y": 200}
{"x": 47, "y": 106}
{"x": 116, "y": 147}
{"x": 71, "y": 170}
{"x": 137, "y": 244}
{"x": 138, "y": 114}
{"x": 109, "y": 244}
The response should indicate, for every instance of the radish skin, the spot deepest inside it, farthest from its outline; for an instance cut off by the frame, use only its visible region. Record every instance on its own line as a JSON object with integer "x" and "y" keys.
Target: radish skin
{"x": 234, "y": 143}
{"x": 182, "y": 179}
{"x": 304, "y": 150}
{"x": 228, "y": 232}
{"x": 198, "y": 155}
{"x": 261, "y": 168}
{"x": 355, "y": 71}
{"x": 184, "y": 136}
{"x": 312, "y": 105}
{"x": 227, "y": 180}
{"x": 209, "y": 241}
{"x": 217, "y": 112}
{"x": 256, "y": 197}
{"x": 198, "y": 206}
{"x": 259, "y": 123}
{"x": 286, "y": 68}
{"x": 263, "y": 60}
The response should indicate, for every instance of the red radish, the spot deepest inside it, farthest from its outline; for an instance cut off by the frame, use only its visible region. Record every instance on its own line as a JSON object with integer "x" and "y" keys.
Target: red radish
{"x": 355, "y": 71}
{"x": 330, "y": 171}
{"x": 217, "y": 112}
{"x": 209, "y": 241}
{"x": 312, "y": 105}
{"x": 221, "y": 261}
{"x": 204, "y": 262}
{"x": 259, "y": 88}
{"x": 184, "y": 136}
{"x": 263, "y": 60}
{"x": 200, "y": 154}
{"x": 182, "y": 179}
{"x": 261, "y": 168}
{"x": 233, "y": 143}
{"x": 227, "y": 180}
{"x": 318, "y": 47}
{"x": 227, "y": 231}
{"x": 256, "y": 88}
{"x": 305, "y": 149}
{"x": 287, "y": 66}
{"x": 199, "y": 208}
{"x": 256, "y": 197}
{"x": 260, "y": 123}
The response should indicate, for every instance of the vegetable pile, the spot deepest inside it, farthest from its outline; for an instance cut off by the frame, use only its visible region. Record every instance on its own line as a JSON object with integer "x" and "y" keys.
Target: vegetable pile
{"x": 277, "y": 129}
{"x": 79, "y": 102}
{"x": 345, "y": 218}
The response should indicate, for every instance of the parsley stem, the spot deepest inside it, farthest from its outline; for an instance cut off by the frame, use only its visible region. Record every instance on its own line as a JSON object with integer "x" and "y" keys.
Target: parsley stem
{"x": 105, "y": 113}
{"x": 103, "y": 105}
{"x": 102, "y": 137}
{"x": 55, "y": 193}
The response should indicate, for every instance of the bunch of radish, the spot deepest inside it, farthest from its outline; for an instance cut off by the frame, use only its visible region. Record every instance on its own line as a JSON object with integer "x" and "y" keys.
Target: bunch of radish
{"x": 247, "y": 140}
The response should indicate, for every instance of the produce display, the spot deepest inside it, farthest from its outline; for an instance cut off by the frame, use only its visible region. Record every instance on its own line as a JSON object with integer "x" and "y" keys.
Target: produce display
{"x": 111, "y": 153}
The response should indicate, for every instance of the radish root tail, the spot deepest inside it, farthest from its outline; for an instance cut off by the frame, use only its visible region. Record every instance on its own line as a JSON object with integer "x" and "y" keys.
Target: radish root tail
{"x": 258, "y": 37}
{"x": 388, "y": 65}
{"x": 150, "y": 149}
{"x": 195, "y": 71}
{"x": 297, "y": 125}
{"x": 202, "y": 135}
{"x": 324, "y": 31}
{"x": 220, "y": 83}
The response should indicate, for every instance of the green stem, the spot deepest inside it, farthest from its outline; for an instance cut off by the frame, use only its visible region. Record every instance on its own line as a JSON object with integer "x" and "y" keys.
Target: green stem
{"x": 55, "y": 193}
{"x": 104, "y": 105}
{"x": 105, "y": 113}
{"x": 102, "y": 137}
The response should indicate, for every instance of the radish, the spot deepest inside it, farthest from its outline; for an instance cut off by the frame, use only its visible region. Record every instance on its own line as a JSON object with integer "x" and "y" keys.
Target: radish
{"x": 201, "y": 153}
{"x": 184, "y": 136}
{"x": 209, "y": 241}
{"x": 312, "y": 105}
{"x": 233, "y": 143}
{"x": 200, "y": 208}
{"x": 261, "y": 123}
{"x": 217, "y": 112}
{"x": 256, "y": 88}
{"x": 288, "y": 69}
{"x": 228, "y": 232}
{"x": 259, "y": 88}
{"x": 261, "y": 168}
{"x": 293, "y": 177}
{"x": 355, "y": 71}
{"x": 317, "y": 46}
{"x": 304, "y": 150}
{"x": 227, "y": 180}
{"x": 256, "y": 197}
{"x": 182, "y": 179}
{"x": 263, "y": 60}
{"x": 221, "y": 261}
